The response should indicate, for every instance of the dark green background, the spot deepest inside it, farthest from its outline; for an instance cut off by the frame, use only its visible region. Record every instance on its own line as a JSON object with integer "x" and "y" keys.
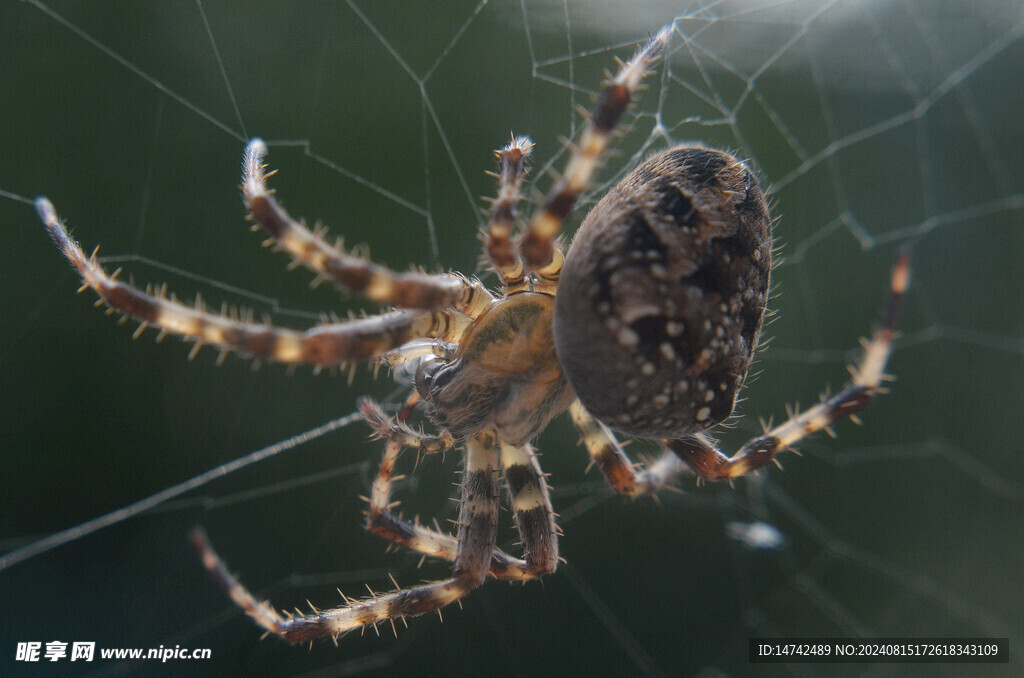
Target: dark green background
{"x": 908, "y": 526}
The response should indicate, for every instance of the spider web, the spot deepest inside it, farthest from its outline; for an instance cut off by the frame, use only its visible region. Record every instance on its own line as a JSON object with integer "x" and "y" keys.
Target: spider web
{"x": 877, "y": 126}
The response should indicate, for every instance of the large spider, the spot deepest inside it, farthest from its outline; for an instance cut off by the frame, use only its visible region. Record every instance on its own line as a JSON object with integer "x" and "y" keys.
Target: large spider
{"x": 652, "y": 331}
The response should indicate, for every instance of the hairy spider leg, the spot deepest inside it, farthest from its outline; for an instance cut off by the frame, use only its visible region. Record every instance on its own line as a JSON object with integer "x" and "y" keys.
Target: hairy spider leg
{"x": 499, "y": 250}
{"x": 528, "y": 493}
{"x": 537, "y": 244}
{"x": 701, "y": 454}
{"x": 530, "y": 498}
{"x": 351, "y": 272}
{"x": 621, "y": 474}
{"x": 327, "y": 345}
{"x": 399, "y": 432}
{"x": 478, "y": 526}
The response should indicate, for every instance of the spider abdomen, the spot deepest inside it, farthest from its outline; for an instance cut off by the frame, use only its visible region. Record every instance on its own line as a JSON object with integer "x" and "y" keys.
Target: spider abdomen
{"x": 661, "y": 299}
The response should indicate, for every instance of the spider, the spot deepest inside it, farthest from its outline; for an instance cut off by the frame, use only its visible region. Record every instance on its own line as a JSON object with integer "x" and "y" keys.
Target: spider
{"x": 648, "y": 325}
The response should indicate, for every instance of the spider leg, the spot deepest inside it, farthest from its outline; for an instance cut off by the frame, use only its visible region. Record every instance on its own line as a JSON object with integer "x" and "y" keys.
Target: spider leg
{"x": 534, "y": 515}
{"x": 498, "y": 246}
{"x": 404, "y": 290}
{"x": 329, "y": 344}
{"x": 400, "y": 433}
{"x": 478, "y": 523}
{"x": 531, "y": 502}
{"x": 700, "y": 453}
{"x": 536, "y": 246}
{"x": 607, "y": 454}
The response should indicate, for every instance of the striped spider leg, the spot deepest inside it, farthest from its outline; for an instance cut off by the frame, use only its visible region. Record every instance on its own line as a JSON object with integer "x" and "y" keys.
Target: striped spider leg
{"x": 500, "y": 252}
{"x": 608, "y": 455}
{"x": 472, "y": 552}
{"x": 703, "y": 457}
{"x": 537, "y": 244}
{"x": 478, "y": 526}
{"x": 528, "y": 495}
{"x": 433, "y": 306}
{"x": 700, "y": 455}
{"x": 332, "y": 262}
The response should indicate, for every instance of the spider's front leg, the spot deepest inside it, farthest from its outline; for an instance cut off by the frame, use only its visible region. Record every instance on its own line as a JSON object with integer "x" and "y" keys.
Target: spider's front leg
{"x": 701, "y": 454}
{"x": 478, "y": 527}
{"x": 332, "y": 262}
{"x": 328, "y": 345}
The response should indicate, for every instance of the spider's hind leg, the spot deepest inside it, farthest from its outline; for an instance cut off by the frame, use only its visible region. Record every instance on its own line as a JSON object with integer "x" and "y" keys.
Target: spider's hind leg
{"x": 607, "y": 454}
{"x": 478, "y": 526}
{"x": 528, "y": 490}
{"x": 701, "y": 454}
{"x": 535, "y": 518}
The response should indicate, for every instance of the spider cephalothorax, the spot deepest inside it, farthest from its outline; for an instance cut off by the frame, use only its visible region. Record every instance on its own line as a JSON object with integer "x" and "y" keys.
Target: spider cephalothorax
{"x": 504, "y": 376}
{"x": 650, "y": 327}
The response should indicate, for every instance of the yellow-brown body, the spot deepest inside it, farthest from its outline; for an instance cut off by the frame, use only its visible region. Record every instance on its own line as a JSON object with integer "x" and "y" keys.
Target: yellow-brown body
{"x": 505, "y": 375}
